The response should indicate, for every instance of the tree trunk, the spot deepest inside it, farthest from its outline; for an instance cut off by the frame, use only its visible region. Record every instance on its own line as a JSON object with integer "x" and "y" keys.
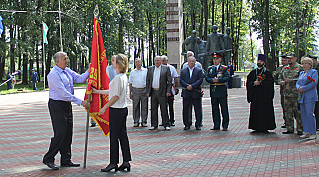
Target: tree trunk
{"x": 3, "y": 57}
{"x": 251, "y": 42}
{"x": 213, "y": 12}
{"x": 200, "y": 30}
{"x": 206, "y": 19}
{"x": 151, "y": 45}
{"x": 12, "y": 44}
{"x": 223, "y": 16}
{"x": 227, "y": 13}
{"x": 265, "y": 32}
{"x": 25, "y": 69}
{"x": 37, "y": 58}
{"x": 193, "y": 20}
{"x": 121, "y": 34}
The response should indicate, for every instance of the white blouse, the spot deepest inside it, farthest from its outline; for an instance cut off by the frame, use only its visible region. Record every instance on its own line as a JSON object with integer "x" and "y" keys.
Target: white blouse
{"x": 118, "y": 87}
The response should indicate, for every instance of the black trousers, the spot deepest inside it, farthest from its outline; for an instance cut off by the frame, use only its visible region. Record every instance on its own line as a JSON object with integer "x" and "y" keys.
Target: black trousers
{"x": 222, "y": 102}
{"x": 170, "y": 101}
{"x": 198, "y": 111}
{"x": 117, "y": 119}
{"x": 62, "y": 123}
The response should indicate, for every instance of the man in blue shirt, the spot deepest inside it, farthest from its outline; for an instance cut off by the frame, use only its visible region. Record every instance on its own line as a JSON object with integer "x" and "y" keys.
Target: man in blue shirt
{"x": 34, "y": 79}
{"x": 10, "y": 81}
{"x": 61, "y": 94}
{"x": 230, "y": 68}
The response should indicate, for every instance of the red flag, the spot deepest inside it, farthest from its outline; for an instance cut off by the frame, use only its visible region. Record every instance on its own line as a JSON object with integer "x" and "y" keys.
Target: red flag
{"x": 99, "y": 80}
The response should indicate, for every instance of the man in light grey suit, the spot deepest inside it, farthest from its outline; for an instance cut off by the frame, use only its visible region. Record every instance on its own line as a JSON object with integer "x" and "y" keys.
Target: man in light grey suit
{"x": 158, "y": 87}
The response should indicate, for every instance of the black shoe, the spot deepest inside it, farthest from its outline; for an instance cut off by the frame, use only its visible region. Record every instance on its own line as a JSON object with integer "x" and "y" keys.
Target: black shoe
{"x": 198, "y": 128}
{"x": 161, "y": 124}
{"x": 109, "y": 168}
{"x": 256, "y": 131}
{"x": 299, "y": 133}
{"x": 265, "y": 132}
{"x": 173, "y": 124}
{"x": 288, "y": 132}
{"x": 93, "y": 124}
{"x": 125, "y": 165}
{"x": 71, "y": 164}
{"x": 52, "y": 166}
{"x": 215, "y": 128}
{"x": 186, "y": 128}
{"x": 225, "y": 129}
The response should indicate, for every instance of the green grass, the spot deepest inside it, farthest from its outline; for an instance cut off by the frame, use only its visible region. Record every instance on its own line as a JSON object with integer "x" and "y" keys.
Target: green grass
{"x": 22, "y": 88}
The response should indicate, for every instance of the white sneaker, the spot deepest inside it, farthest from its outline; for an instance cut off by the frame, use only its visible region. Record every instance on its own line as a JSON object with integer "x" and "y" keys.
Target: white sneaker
{"x": 167, "y": 128}
{"x": 314, "y": 136}
{"x": 306, "y": 135}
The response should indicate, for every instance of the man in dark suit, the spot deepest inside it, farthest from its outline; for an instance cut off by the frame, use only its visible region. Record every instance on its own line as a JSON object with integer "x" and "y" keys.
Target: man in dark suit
{"x": 217, "y": 75}
{"x": 158, "y": 87}
{"x": 191, "y": 79}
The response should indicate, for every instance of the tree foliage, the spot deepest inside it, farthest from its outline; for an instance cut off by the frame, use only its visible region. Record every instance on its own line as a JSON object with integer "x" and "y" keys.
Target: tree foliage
{"x": 138, "y": 28}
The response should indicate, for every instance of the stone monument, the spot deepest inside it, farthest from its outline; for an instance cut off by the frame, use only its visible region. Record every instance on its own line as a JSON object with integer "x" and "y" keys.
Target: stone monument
{"x": 215, "y": 43}
{"x": 228, "y": 44}
{"x": 192, "y": 43}
{"x": 203, "y": 59}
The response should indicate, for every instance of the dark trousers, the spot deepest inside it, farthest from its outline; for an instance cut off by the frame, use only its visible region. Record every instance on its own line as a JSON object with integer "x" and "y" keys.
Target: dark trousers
{"x": 62, "y": 123}
{"x": 118, "y": 133}
{"x": 230, "y": 82}
{"x": 157, "y": 99}
{"x": 222, "y": 102}
{"x": 317, "y": 114}
{"x": 34, "y": 85}
{"x": 170, "y": 101}
{"x": 196, "y": 102}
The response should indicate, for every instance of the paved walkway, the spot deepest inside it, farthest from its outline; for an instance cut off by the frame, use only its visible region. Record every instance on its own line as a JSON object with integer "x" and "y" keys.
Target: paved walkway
{"x": 25, "y": 132}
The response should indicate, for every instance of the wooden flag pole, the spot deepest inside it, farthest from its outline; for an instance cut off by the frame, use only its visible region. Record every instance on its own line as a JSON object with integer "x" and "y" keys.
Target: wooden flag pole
{"x": 87, "y": 131}
{"x": 96, "y": 13}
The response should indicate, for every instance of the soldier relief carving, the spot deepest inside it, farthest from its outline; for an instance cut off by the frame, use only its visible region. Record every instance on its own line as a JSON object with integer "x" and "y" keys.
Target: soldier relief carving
{"x": 216, "y": 42}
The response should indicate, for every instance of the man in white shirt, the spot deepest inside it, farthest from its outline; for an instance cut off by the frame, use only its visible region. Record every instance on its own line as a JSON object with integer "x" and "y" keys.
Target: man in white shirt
{"x": 197, "y": 64}
{"x": 137, "y": 81}
{"x": 170, "y": 100}
{"x": 159, "y": 87}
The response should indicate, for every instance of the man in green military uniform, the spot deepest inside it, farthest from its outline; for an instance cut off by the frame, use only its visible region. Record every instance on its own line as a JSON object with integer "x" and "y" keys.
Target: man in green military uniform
{"x": 284, "y": 63}
{"x": 288, "y": 78}
{"x": 316, "y": 67}
{"x": 217, "y": 75}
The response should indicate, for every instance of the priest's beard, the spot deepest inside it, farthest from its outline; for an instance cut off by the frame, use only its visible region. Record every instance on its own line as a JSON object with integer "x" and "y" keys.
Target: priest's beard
{"x": 260, "y": 65}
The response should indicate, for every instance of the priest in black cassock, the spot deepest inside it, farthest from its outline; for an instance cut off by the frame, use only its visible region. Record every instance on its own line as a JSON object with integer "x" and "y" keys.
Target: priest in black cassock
{"x": 260, "y": 95}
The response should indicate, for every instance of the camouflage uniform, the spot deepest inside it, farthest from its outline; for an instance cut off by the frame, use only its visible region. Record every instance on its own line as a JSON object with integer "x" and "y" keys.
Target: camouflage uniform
{"x": 276, "y": 77}
{"x": 290, "y": 93}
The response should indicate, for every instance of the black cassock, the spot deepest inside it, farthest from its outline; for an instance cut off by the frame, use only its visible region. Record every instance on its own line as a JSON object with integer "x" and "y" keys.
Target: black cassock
{"x": 262, "y": 116}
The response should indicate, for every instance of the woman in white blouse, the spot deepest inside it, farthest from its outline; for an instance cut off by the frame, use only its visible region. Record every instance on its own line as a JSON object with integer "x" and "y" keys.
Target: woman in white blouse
{"x": 117, "y": 116}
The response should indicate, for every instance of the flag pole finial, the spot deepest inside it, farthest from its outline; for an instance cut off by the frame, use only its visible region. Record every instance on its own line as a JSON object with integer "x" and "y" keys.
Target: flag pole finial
{"x": 96, "y": 11}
